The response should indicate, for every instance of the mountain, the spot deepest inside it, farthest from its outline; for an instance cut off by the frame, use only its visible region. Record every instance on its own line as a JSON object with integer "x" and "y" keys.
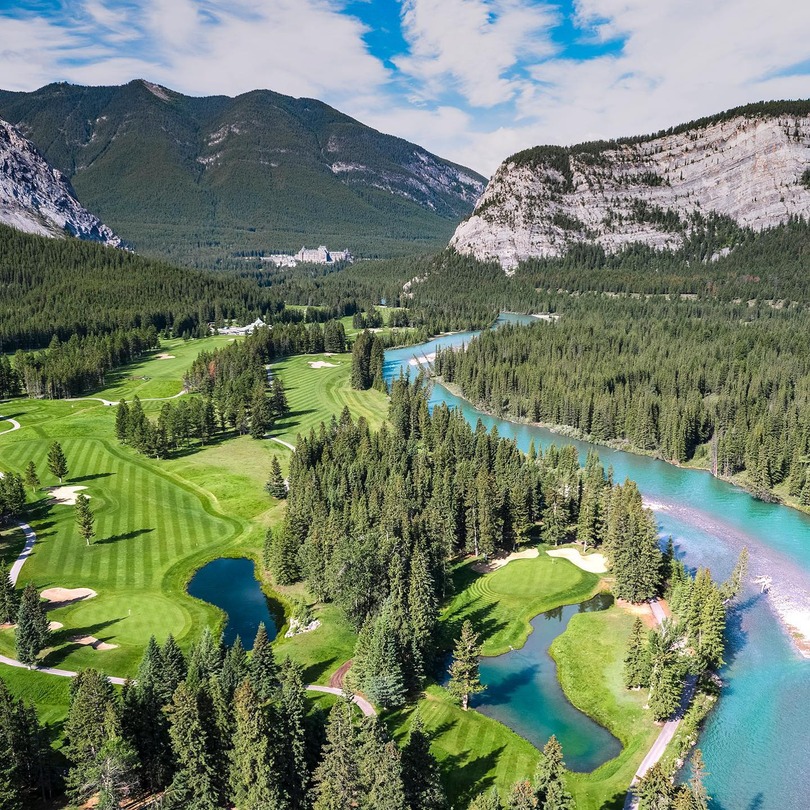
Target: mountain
{"x": 36, "y": 198}
{"x": 204, "y": 179}
{"x": 750, "y": 165}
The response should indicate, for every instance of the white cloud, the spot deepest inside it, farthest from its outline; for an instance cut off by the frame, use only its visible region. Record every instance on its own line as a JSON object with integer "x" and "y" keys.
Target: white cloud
{"x": 473, "y": 45}
{"x": 677, "y": 60}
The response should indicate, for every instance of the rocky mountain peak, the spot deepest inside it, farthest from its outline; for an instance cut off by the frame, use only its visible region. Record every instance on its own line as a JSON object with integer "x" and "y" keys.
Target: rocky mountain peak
{"x": 36, "y": 198}
{"x": 751, "y": 165}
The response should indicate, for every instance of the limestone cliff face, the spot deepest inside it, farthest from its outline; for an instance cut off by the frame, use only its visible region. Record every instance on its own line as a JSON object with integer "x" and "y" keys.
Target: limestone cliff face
{"x": 753, "y": 168}
{"x": 36, "y": 198}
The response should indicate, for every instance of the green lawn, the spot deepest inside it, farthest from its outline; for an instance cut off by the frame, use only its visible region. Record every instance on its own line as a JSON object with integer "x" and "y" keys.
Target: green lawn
{"x": 158, "y": 521}
{"x": 501, "y": 604}
{"x": 589, "y": 656}
{"x": 317, "y": 394}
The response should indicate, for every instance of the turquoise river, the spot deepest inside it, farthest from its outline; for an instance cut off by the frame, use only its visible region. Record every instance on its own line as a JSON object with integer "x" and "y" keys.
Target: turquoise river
{"x": 757, "y": 741}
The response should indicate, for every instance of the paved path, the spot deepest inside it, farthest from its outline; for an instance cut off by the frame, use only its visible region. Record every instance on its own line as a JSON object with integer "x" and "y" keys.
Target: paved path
{"x": 30, "y": 539}
{"x": 281, "y": 441}
{"x": 110, "y": 402}
{"x": 15, "y": 425}
{"x": 667, "y": 731}
{"x": 365, "y": 707}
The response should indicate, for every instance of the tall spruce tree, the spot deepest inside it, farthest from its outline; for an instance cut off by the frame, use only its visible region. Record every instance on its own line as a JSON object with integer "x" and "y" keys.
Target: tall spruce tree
{"x": 85, "y": 520}
{"x": 464, "y": 678}
{"x": 275, "y": 484}
{"x": 293, "y": 758}
{"x": 420, "y": 771}
{"x": 31, "y": 476}
{"x": 549, "y": 778}
{"x": 9, "y": 598}
{"x": 380, "y": 768}
{"x": 57, "y": 463}
{"x": 336, "y": 780}
{"x": 263, "y": 670}
{"x": 32, "y": 633}
{"x": 636, "y": 660}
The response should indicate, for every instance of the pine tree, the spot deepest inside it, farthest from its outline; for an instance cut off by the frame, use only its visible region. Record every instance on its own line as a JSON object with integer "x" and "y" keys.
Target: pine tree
{"x": 9, "y": 598}
{"x": 522, "y": 796}
{"x": 122, "y": 423}
{"x": 732, "y": 586}
{"x": 275, "y": 484}
{"x": 234, "y": 669}
{"x": 464, "y": 679}
{"x": 636, "y": 661}
{"x": 85, "y": 519}
{"x": 57, "y": 463}
{"x": 31, "y": 477}
{"x": 263, "y": 670}
{"x": 337, "y": 779}
{"x": 174, "y": 663}
{"x": 486, "y": 801}
{"x": 549, "y": 779}
{"x": 654, "y": 790}
{"x": 255, "y": 774}
{"x": 420, "y": 771}
{"x": 700, "y": 799}
{"x": 32, "y": 627}
{"x": 379, "y": 768}
{"x": 293, "y": 709}
{"x": 260, "y": 415}
{"x": 380, "y": 664}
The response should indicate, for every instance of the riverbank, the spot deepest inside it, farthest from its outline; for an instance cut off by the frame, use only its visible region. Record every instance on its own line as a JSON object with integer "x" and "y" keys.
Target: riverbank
{"x": 793, "y": 614}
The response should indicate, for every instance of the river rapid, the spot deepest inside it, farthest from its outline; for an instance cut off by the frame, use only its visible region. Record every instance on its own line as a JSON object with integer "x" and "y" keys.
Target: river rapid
{"x": 756, "y": 743}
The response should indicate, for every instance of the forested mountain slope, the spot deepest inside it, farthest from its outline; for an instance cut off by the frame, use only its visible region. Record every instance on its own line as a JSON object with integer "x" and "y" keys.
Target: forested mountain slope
{"x": 36, "y": 198}
{"x": 750, "y": 166}
{"x": 199, "y": 179}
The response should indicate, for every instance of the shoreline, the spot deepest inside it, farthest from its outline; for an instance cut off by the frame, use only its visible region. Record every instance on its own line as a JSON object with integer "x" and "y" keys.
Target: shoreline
{"x": 793, "y": 619}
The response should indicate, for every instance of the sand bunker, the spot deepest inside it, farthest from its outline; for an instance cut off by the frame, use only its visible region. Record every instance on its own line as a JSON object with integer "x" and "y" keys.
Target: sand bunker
{"x": 322, "y": 364}
{"x": 595, "y": 563}
{"x": 55, "y": 625}
{"x": 59, "y": 597}
{"x": 643, "y": 611}
{"x": 164, "y": 356}
{"x": 499, "y": 562}
{"x": 92, "y": 641}
{"x": 65, "y": 495}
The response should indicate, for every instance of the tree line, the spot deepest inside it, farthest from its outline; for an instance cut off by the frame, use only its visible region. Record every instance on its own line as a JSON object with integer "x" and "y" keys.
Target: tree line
{"x": 724, "y": 382}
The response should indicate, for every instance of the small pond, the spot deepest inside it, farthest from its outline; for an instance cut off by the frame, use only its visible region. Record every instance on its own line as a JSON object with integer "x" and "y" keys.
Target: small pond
{"x": 230, "y": 584}
{"x": 523, "y": 692}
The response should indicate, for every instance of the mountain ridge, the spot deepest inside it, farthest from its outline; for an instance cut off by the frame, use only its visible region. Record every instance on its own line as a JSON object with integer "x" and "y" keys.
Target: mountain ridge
{"x": 204, "y": 178}
{"x": 748, "y": 164}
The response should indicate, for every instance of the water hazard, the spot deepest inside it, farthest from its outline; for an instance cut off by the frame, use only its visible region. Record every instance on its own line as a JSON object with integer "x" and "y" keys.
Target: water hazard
{"x": 524, "y": 693}
{"x": 230, "y": 584}
{"x": 755, "y": 743}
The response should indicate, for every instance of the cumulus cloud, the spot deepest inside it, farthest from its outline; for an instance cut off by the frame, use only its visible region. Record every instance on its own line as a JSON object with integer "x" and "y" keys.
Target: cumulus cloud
{"x": 471, "y": 80}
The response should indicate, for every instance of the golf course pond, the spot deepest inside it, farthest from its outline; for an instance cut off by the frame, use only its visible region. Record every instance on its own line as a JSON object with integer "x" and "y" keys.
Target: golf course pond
{"x": 524, "y": 693}
{"x": 231, "y": 585}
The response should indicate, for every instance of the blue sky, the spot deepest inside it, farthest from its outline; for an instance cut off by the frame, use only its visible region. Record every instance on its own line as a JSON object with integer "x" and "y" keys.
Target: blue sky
{"x": 472, "y": 80}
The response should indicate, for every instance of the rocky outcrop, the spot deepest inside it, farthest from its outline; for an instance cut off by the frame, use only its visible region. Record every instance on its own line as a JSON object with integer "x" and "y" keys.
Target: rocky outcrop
{"x": 36, "y": 198}
{"x": 751, "y": 167}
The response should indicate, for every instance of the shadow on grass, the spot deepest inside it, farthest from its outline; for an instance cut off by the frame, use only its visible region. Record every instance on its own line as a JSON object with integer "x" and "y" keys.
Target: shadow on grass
{"x": 64, "y": 636}
{"x": 92, "y": 477}
{"x": 124, "y": 536}
{"x": 469, "y": 778}
{"x": 315, "y": 671}
{"x": 615, "y": 802}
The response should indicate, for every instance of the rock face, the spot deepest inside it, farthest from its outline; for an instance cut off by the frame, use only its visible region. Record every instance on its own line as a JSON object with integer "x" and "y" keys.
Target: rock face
{"x": 36, "y": 198}
{"x": 753, "y": 167}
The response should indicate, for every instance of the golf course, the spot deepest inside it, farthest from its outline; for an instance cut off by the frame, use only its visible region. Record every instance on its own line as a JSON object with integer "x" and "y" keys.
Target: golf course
{"x": 159, "y": 521}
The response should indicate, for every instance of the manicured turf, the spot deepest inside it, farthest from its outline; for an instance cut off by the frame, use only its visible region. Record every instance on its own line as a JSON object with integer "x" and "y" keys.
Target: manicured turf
{"x": 501, "y": 604}
{"x": 158, "y": 521}
{"x": 317, "y": 394}
{"x": 589, "y": 657}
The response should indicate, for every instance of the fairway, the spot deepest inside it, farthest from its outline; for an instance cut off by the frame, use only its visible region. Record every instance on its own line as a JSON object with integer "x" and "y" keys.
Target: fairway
{"x": 158, "y": 521}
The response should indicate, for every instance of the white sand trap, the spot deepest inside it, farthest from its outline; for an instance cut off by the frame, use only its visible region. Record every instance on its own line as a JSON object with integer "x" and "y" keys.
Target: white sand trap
{"x": 65, "y": 495}
{"x": 55, "y": 625}
{"x": 92, "y": 641}
{"x": 499, "y": 562}
{"x": 322, "y": 364}
{"x": 61, "y": 596}
{"x": 595, "y": 563}
{"x": 642, "y": 610}
{"x": 164, "y": 356}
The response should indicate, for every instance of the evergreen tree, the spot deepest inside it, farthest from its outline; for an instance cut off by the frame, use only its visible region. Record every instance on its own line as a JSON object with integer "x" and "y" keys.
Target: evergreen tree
{"x": 122, "y": 423}
{"x": 260, "y": 415}
{"x": 174, "y": 664}
{"x": 522, "y": 796}
{"x": 700, "y": 799}
{"x": 32, "y": 633}
{"x": 57, "y": 463}
{"x": 275, "y": 484}
{"x": 549, "y": 779}
{"x": 31, "y": 477}
{"x": 9, "y": 598}
{"x": 234, "y": 669}
{"x": 486, "y": 801}
{"x": 464, "y": 680}
{"x": 337, "y": 782}
{"x": 655, "y": 790}
{"x": 263, "y": 670}
{"x": 194, "y": 784}
{"x": 420, "y": 771}
{"x": 378, "y": 661}
{"x": 85, "y": 520}
{"x": 255, "y": 773}
{"x": 293, "y": 709}
{"x": 379, "y": 768}
{"x": 732, "y": 586}
{"x": 636, "y": 661}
